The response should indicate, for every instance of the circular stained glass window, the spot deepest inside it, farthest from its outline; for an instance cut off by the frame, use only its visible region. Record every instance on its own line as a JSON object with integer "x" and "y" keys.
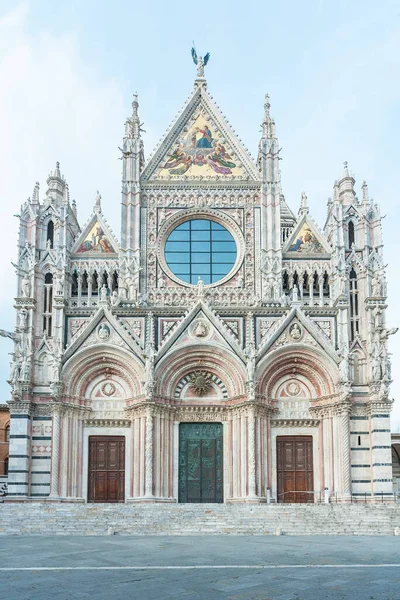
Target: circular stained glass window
{"x": 200, "y": 248}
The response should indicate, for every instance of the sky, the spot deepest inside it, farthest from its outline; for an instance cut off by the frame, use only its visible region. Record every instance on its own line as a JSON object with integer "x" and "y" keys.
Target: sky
{"x": 68, "y": 71}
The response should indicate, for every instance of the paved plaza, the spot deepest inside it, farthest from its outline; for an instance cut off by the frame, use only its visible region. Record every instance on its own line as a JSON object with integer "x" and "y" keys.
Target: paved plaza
{"x": 200, "y": 568}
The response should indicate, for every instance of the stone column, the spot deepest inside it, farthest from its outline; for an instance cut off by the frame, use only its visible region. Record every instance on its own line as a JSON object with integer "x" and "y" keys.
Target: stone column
{"x": 251, "y": 432}
{"x": 328, "y": 451}
{"x": 346, "y": 470}
{"x": 55, "y": 452}
{"x": 149, "y": 454}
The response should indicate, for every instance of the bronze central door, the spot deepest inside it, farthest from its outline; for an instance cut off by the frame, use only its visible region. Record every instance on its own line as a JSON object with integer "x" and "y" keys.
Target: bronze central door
{"x": 200, "y": 462}
{"x": 295, "y": 469}
{"x": 106, "y": 469}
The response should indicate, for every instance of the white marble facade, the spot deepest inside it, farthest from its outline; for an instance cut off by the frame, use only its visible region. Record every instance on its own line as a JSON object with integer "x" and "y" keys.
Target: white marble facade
{"x": 290, "y": 340}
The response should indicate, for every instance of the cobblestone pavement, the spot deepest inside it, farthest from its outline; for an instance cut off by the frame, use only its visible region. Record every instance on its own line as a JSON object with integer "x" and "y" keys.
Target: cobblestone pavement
{"x": 203, "y": 568}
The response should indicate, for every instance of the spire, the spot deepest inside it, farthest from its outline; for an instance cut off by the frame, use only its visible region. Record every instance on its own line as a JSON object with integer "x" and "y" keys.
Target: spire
{"x": 55, "y": 184}
{"x": 97, "y": 205}
{"x": 66, "y": 193}
{"x": 268, "y": 148}
{"x": 365, "y": 194}
{"x": 35, "y": 194}
{"x": 303, "y": 210}
{"x": 347, "y": 194}
{"x": 268, "y": 125}
{"x": 132, "y": 125}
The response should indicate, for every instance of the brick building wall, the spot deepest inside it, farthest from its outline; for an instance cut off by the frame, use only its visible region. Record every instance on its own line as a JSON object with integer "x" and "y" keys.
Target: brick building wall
{"x": 4, "y": 438}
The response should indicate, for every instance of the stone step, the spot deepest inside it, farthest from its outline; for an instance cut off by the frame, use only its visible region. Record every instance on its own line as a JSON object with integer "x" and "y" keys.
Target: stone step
{"x": 191, "y": 519}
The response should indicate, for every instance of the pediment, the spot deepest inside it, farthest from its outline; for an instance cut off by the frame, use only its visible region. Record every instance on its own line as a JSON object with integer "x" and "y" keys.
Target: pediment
{"x": 306, "y": 240}
{"x": 103, "y": 328}
{"x": 201, "y": 145}
{"x": 201, "y": 325}
{"x": 297, "y": 329}
{"x": 96, "y": 239}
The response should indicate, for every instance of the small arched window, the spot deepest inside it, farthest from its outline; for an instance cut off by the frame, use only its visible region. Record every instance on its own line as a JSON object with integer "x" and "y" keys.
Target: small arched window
{"x": 326, "y": 284}
{"x": 351, "y": 234}
{"x": 48, "y": 304}
{"x": 285, "y": 282}
{"x": 306, "y": 288}
{"x": 95, "y": 283}
{"x": 74, "y": 286}
{"x": 7, "y": 433}
{"x": 50, "y": 234}
{"x": 85, "y": 284}
{"x": 354, "y": 317}
{"x": 6, "y": 465}
{"x": 315, "y": 283}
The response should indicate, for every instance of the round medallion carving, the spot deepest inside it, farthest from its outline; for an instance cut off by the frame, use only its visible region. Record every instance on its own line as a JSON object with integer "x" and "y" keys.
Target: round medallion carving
{"x": 200, "y": 382}
{"x": 108, "y": 389}
{"x": 200, "y": 329}
{"x": 295, "y": 332}
{"x": 293, "y": 388}
{"x": 103, "y": 331}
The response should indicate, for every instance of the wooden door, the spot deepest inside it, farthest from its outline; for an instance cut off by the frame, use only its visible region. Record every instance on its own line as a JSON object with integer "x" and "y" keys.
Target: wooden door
{"x": 200, "y": 462}
{"x": 106, "y": 469}
{"x": 295, "y": 469}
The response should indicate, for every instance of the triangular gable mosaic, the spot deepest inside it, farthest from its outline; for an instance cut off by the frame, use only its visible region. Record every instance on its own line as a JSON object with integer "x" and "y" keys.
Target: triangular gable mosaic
{"x": 306, "y": 240}
{"x": 201, "y": 145}
{"x": 96, "y": 239}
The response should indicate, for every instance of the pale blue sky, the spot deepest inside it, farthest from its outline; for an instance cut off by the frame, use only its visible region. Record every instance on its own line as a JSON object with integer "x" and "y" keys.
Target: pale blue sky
{"x": 68, "y": 71}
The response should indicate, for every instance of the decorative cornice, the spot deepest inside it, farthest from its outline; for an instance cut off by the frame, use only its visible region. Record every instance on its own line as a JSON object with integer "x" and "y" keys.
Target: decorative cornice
{"x": 295, "y": 422}
{"x": 108, "y": 422}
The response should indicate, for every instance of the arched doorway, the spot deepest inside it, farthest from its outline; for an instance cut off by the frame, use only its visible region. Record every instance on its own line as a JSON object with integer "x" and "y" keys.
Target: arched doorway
{"x": 296, "y": 381}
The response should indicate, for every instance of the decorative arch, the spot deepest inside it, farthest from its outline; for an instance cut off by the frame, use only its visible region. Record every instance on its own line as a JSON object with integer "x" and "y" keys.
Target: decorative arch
{"x": 351, "y": 234}
{"x": 178, "y": 364}
{"x": 215, "y": 382}
{"x": 313, "y": 372}
{"x": 90, "y": 366}
{"x": 50, "y": 233}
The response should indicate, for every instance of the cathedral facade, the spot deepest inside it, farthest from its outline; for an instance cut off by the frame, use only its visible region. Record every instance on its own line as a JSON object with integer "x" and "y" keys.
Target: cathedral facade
{"x": 223, "y": 350}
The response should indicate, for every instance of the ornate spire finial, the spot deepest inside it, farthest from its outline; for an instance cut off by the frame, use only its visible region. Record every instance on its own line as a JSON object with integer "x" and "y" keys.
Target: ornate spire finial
{"x": 268, "y": 124}
{"x": 132, "y": 126}
{"x": 200, "y": 62}
{"x": 97, "y": 205}
{"x": 267, "y": 106}
{"x": 346, "y": 170}
{"x": 303, "y": 204}
{"x": 365, "y": 192}
{"x": 135, "y": 105}
{"x": 35, "y": 195}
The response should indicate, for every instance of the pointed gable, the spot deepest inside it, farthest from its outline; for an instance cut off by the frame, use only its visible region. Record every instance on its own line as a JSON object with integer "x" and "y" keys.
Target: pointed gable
{"x": 103, "y": 328}
{"x": 213, "y": 330}
{"x": 306, "y": 240}
{"x": 96, "y": 239}
{"x": 297, "y": 328}
{"x": 201, "y": 145}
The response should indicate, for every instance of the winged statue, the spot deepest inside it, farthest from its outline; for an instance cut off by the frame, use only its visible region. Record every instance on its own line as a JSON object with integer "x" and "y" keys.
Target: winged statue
{"x": 200, "y": 61}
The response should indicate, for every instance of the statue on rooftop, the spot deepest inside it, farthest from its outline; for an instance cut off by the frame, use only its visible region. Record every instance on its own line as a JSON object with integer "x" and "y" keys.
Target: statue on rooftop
{"x": 200, "y": 61}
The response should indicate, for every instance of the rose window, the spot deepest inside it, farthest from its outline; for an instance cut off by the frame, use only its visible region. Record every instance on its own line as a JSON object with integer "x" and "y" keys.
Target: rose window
{"x": 200, "y": 249}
